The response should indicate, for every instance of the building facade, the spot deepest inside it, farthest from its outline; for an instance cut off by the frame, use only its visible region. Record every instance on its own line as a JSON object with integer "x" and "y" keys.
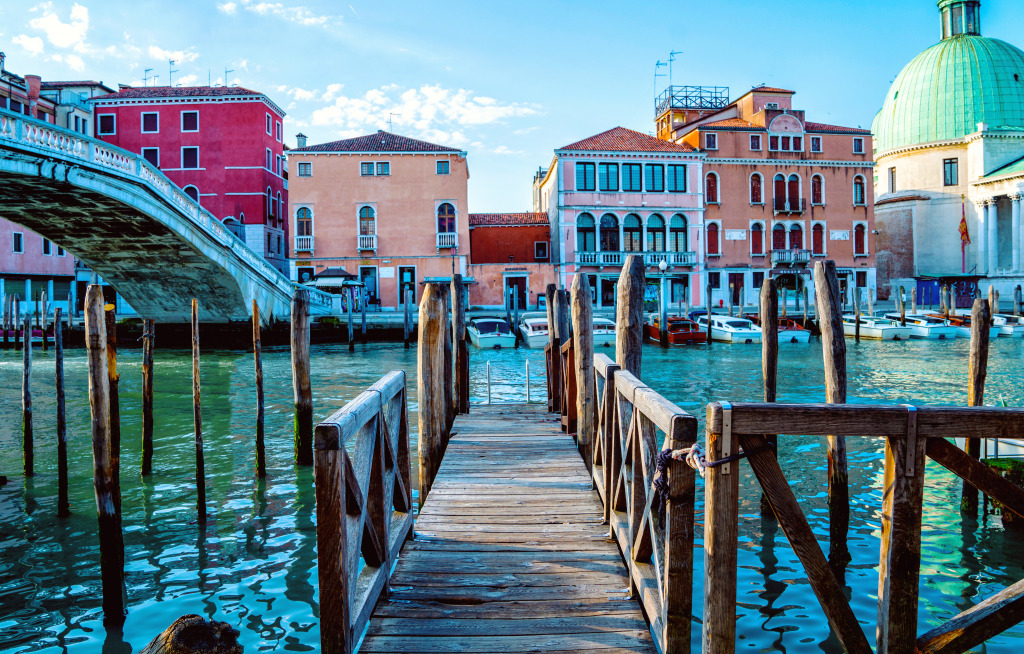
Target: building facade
{"x": 779, "y": 191}
{"x": 388, "y": 209}
{"x": 71, "y": 99}
{"x": 622, "y": 192}
{"x": 510, "y": 259}
{"x": 224, "y": 146}
{"x": 949, "y": 142}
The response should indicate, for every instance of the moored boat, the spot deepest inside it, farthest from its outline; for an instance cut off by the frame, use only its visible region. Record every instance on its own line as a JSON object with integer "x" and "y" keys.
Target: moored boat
{"x": 962, "y": 323}
{"x": 533, "y": 329}
{"x": 604, "y": 332}
{"x": 1011, "y": 326}
{"x": 487, "y": 333}
{"x": 728, "y": 329}
{"x": 680, "y": 330}
{"x": 925, "y": 325}
{"x": 875, "y": 328}
{"x": 790, "y": 331}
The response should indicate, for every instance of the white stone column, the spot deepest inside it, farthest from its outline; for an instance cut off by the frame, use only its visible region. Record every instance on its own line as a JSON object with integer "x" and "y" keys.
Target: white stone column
{"x": 982, "y": 237}
{"x": 993, "y": 238}
{"x": 1016, "y": 232}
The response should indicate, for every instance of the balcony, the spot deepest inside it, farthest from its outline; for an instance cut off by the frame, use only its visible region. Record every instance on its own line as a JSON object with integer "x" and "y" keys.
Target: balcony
{"x": 790, "y": 257}
{"x": 447, "y": 240}
{"x": 303, "y": 243}
{"x": 367, "y": 242}
{"x": 650, "y": 258}
{"x": 793, "y": 205}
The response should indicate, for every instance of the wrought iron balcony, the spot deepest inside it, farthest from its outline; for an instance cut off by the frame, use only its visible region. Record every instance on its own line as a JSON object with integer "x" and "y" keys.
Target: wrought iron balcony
{"x": 303, "y": 243}
{"x": 790, "y": 256}
{"x": 367, "y": 242}
{"x": 447, "y": 240}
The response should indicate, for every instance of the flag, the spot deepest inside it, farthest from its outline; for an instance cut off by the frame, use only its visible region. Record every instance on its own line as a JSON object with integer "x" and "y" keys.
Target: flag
{"x": 965, "y": 237}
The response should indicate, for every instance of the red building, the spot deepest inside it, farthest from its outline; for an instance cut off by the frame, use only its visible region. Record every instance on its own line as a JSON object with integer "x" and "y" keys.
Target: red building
{"x": 222, "y": 145}
{"x": 510, "y": 255}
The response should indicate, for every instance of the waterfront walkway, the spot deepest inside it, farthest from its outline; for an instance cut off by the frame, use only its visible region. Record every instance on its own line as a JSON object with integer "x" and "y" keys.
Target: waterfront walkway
{"x": 510, "y": 553}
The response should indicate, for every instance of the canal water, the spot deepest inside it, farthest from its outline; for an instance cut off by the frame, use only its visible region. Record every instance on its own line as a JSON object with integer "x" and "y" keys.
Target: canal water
{"x": 255, "y": 565}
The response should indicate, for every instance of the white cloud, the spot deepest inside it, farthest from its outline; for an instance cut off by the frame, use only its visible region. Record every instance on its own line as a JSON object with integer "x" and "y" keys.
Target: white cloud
{"x": 228, "y": 7}
{"x": 179, "y": 56}
{"x": 525, "y": 130}
{"x": 502, "y": 149}
{"x": 72, "y": 60}
{"x": 294, "y": 14}
{"x": 33, "y": 44}
{"x": 186, "y": 80}
{"x": 59, "y": 33}
{"x": 297, "y": 93}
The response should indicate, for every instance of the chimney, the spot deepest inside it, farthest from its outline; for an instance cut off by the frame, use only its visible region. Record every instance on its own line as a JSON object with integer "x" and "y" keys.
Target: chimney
{"x": 300, "y": 140}
{"x": 34, "y": 84}
{"x": 3, "y": 58}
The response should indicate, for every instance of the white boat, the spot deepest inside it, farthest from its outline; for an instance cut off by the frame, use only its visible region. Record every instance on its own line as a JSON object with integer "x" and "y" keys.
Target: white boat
{"x": 533, "y": 329}
{"x": 1012, "y": 326}
{"x": 875, "y": 328}
{"x": 730, "y": 330}
{"x": 926, "y": 326}
{"x": 488, "y": 333}
{"x": 604, "y": 332}
{"x": 997, "y": 448}
{"x": 962, "y": 322}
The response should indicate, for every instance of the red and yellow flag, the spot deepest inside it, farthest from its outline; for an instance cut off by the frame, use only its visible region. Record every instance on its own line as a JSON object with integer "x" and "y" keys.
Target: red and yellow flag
{"x": 965, "y": 237}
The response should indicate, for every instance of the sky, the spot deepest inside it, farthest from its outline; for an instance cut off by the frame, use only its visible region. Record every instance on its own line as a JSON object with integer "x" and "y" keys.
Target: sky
{"x": 509, "y": 82}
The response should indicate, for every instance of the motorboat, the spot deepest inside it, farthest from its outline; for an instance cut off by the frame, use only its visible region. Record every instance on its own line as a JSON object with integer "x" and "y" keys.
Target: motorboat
{"x": 533, "y": 329}
{"x": 1011, "y": 326}
{"x": 680, "y": 330}
{"x": 925, "y": 325}
{"x": 728, "y": 329}
{"x": 490, "y": 333}
{"x": 962, "y": 323}
{"x": 881, "y": 329}
{"x": 790, "y": 331}
{"x": 604, "y": 332}
{"x": 36, "y": 335}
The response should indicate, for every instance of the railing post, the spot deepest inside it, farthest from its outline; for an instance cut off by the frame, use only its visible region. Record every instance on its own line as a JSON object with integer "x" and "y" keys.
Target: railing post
{"x": 583, "y": 346}
{"x": 629, "y": 316}
{"x": 447, "y": 372}
{"x": 331, "y": 537}
{"x": 459, "y": 346}
{"x": 679, "y": 540}
{"x": 551, "y": 352}
{"x": 428, "y": 382}
{"x": 562, "y": 336}
{"x": 721, "y": 525}
{"x": 301, "y": 388}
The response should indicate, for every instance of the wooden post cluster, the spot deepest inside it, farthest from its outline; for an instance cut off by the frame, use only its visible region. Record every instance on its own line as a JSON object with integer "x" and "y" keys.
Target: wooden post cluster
{"x": 429, "y": 385}
{"x": 302, "y": 391}
{"x": 981, "y": 317}
{"x": 1016, "y": 302}
{"x": 148, "y": 343}
{"x": 629, "y": 316}
{"x": 459, "y": 344}
{"x": 257, "y": 353}
{"x": 28, "y": 446}
{"x": 197, "y": 419}
{"x": 63, "y": 504}
{"x": 114, "y": 380}
{"x": 583, "y": 347}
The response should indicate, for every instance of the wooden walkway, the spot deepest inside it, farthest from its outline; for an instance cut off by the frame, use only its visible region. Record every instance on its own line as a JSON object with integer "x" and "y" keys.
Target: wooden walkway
{"x": 510, "y": 553}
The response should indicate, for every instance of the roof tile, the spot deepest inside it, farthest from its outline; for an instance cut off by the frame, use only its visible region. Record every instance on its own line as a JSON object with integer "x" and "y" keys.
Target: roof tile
{"x": 132, "y": 93}
{"x": 836, "y": 129}
{"x": 621, "y": 139}
{"x": 380, "y": 141}
{"x": 732, "y": 123}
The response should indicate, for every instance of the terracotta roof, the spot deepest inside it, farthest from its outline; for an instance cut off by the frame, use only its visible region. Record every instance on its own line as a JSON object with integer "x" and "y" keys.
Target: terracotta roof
{"x": 822, "y": 127}
{"x": 380, "y": 141}
{"x": 621, "y": 139}
{"x": 731, "y": 123}
{"x": 507, "y": 219}
{"x": 67, "y": 83}
{"x": 131, "y": 93}
{"x": 771, "y": 89}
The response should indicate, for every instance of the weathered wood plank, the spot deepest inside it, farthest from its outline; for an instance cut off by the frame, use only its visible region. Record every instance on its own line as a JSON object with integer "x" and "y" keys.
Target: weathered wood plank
{"x": 977, "y": 624}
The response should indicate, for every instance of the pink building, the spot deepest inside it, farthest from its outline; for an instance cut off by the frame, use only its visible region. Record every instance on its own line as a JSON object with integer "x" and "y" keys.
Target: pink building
{"x": 622, "y": 192}
{"x": 223, "y": 146}
{"x": 779, "y": 191}
{"x": 388, "y": 209}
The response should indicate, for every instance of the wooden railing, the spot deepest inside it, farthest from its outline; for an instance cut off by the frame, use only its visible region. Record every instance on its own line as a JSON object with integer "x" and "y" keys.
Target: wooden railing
{"x": 363, "y": 507}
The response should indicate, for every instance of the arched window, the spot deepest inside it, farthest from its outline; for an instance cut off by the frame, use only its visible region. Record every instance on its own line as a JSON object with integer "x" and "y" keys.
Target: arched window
{"x": 818, "y": 239}
{"x": 757, "y": 239}
{"x": 655, "y": 233}
{"x": 756, "y": 196}
{"x": 817, "y": 190}
{"x": 796, "y": 237}
{"x": 793, "y": 192}
{"x": 367, "y": 222}
{"x": 304, "y": 222}
{"x": 713, "y": 238}
{"x": 678, "y": 239}
{"x": 859, "y": 240}
{"x": 586, "y": 234}
{"x": 280, "y": 208}
{"x": 270, "y": 203}
{"x": 445, "y": 218}
{"x": 192, "y": 192}
{"x": 609, "y": 233}
{"x": 631, "y": 234}
{"x": 858, "y": 191}
{"x": 711, "y": 189}
{"x": 779, "y": 192}
{"x": 778, "y": 237}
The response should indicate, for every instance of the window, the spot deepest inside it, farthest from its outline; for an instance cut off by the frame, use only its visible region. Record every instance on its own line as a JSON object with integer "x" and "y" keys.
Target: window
{"x": 270, "y": 156}
{"x": 773, "y": 143}
{"x": 818, "y": 240}
{"x": 609, "y": 233}
{"x": 304, "y": 222}
{"x": 862, "y": 279}
{"x": 756, "y": 196}
{"x": 815, "y": 144}
{"x": 858, "y": 191}
{"x": 678, "y": 239}
{"x": 796, "y": 237}
{"x": 950, "y": 174}
{"x": 711, "y": 141}
{"x": 268, "y": 123}
{"x": 305, "y": 169}
{"x": 367, "y": 222}
{"x": 785, "y": 143}
{"x": 859, "y": 240}
{"x": 655, "y": 233}
{"x": 794, "y": 193}
{"x": 758, "y": 279}
{"x": 277, "y": 130}
{"x": 270, "y": 244}
{"x": 269, "y": 205}
{"x": 366, "y": 168}
{"x": 445, "y": 218}
{"x": 798, "y": 144}
{"x": 858, "y": 145}
{"x": 631, "y": 178}
{"x": 757, "y": 239}
{"x": 383, "y": 168}
{"x": 779, "y": 237}
{"x": 107, "y": 123}
{"x": 779, "y": 192}
{"x": 152, "y": 155}
{"x": 655, "y": 178}
{"x": 19, "y": 243}
{"x": 540, "y": 250}
{"x": 280, "y": 249}
{"x": 713, "y": 241}
{"x": 60, "y": 251}
{"x": 47, "y": 247}
{"x": 584, "y": 176}
{"x": 608, "y": 176}
{"x": 192, "y": 192}
{"x": 817, "y": 190}
{"x": 677, "y": 178}
{"x": 190, "y": 121}
{"x": 280, "y": 208}
{"x": 443, "y": 168}
{"x": 755, "y": 141}
{"x": 715, "y": 279}
{"x": 631, "y": 230}
{"x": 711, "y": 189}
{"x": 586, "y": 237}
{"x": 892, "y": 179}
{"x": 150, "y": 123}
{"x": 16, "y": 107}
{"x": 190, "y": 157}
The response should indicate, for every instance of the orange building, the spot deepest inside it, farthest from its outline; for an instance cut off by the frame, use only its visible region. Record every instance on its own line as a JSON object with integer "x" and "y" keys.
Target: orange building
{"x": 780, "y": 192}
{"x": 389, "y": 209}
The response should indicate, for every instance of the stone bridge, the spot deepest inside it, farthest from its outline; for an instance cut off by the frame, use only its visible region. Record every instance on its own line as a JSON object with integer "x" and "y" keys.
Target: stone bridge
{"x": 134, "y": 227}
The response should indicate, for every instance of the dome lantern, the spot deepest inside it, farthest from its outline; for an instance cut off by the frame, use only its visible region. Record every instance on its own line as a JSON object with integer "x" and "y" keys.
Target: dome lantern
{"x": 960, "y": 17}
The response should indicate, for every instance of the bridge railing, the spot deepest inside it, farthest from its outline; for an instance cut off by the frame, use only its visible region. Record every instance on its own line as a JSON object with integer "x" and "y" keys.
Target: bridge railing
{"x": 363, "y": 507}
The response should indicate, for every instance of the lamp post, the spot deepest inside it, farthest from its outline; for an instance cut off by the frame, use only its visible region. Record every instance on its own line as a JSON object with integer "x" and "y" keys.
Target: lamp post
{"x": 663, "y": 324}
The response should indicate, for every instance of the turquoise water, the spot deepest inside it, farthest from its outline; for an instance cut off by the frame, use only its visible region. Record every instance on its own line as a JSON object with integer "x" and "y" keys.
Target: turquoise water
{"x": 255, "y": 564}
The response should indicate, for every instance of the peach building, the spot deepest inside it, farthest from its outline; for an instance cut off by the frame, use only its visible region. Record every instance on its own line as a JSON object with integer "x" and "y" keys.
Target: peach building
{"x": 388, "y": 209}
{"x": 779, "y": 191}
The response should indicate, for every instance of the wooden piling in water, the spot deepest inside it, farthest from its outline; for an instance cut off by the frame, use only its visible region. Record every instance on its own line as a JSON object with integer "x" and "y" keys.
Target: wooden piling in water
{"x": 148, "y": 344}
{"x": 856, "y": 316}
{"x": 553, "y": 346}
{"x": 515, "y": 313}
{"x": 1016, "y": 301}
{"x": 629, "y": 316}
{"x": 913, "y": 301}
{"x": 364, "y": 298}
{"x": 428, "y": 387}
{"x": 805, "y": 307}
{"x": 408, "y": 316}
{"x": 197, "y": 419}
{"x": 27, "y": 441}
{"x": 731, "y": 291}
{"x": 459, "y": 345}
{"x": 301, "y": 388}
{"x": 769, "y": 314}
{"x": 257, "y": 353}
{"x": 351, "y": 329}
{"x": 903, "y": 307}
{"x": 833, "y": 345}
{"x": 44, "y": 319}
{"x": 63, "y": 504}
{"x": 663, "y": 313}
{"x": 784, "y": 303}
{"x": 993, "y": 301}
{"x": 7, "y": 319}
{"x": 981, "y": 319}
{"x": 107, "y": 511}
{"x": 448, "y": 357}
{"x": 583, "y": 349}
{"x": 110, "y": 315}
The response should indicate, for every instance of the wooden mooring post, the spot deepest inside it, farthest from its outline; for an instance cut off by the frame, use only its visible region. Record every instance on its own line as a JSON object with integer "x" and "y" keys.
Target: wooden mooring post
{"x": 363, "y": 299}
{"x": 551, "y": 357}
{"x": 856, "y": 316}
{"x": 257, "y": 353}
{"x": 429, "y": 358}
{"x": 903, "y": 306}
{"x": 459, "y": 345}
{"x": 707, "y": 311}
{"x": 44, "y": 319}
{"x": 769, "y": 342}
{"x": 408, "y": 317}
{"x": 629, "y": 316}
{"x": 981, "y": 317}
{"x": 28, "y": 446}
{"x": 350, "y": 299}
{"x": 110, "y": 311}
{"x": 583, "y": 349}
{"x": 107, "y": 505}
{"x": 1016, "y": 301}
{"x": 197, "y": 420}
{"x": 6, "y": 318}
{"x": 560, "y": 359}
{"x": 301, "y": 388}
{"x": 63, "y": 504}
{"x": 16, "y": 321}
{"x": 148, "y": 343}
{"x": 913, "y": 301}
{"x": 448, "y": 357}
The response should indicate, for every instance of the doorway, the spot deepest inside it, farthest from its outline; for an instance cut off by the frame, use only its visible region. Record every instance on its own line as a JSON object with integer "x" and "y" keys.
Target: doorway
{"x": 406, "y": 280}
{"x": 736, "y": 287}
{"x": 368, "y": 276}
{"x": 515, "y": 287}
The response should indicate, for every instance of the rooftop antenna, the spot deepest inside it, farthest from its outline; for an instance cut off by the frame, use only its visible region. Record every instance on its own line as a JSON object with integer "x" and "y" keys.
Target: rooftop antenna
{"x": 170, "y": 76}
{"x": 671, "y": 58}
{"x": 658, "y": 64}
{"x": 226, "y": 72}
{"x": 390, "y": 125}
{"x": 146, "y": 78}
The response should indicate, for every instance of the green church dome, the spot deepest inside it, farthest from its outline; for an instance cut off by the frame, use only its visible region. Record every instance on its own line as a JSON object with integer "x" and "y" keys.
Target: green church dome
{"x": 945, "y": 91}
